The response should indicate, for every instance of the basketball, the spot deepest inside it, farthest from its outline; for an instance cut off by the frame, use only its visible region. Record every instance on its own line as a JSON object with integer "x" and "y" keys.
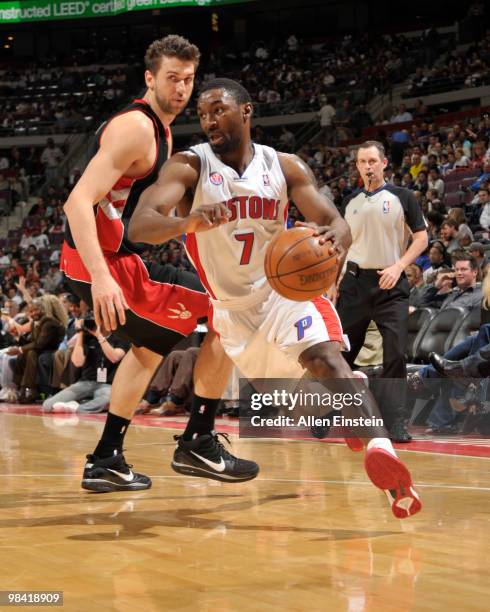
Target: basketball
{"x": 298, "y": 267}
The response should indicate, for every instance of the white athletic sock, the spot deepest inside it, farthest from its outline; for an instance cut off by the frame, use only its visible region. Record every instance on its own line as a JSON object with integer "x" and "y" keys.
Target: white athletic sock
{"x": 384, "y": 443}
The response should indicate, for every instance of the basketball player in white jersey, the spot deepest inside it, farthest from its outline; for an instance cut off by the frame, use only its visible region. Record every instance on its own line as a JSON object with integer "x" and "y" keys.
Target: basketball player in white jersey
{"x": 265, "y": 334}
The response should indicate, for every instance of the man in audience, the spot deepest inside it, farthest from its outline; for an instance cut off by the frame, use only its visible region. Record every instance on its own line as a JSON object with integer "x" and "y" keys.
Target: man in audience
{"x": 484, "y": 201}
{"x": 435, "y": 181}
{"x": 49, "y": 323}
{"x": 456, "y": 288}
{"x": 477, "y": 250}
{"x": 416, "y": 284}
{"x": 51, "y": 158}
{"x": 449, "y": 232}
{"x": 98, "y": 357}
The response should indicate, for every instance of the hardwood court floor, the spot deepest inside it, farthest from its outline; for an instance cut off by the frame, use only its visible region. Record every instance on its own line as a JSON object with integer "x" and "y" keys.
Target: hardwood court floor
{"x": 310, "y": 533}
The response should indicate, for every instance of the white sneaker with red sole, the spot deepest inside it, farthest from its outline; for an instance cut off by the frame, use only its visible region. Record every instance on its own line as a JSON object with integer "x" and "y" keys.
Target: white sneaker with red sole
{"x": 387, "y": 472}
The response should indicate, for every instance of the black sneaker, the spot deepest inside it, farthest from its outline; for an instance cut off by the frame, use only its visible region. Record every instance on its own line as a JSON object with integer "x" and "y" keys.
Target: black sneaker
{"x": 112, "y": 474}
{"x": 399, "y": 433}
{"x": 206, "y": 457}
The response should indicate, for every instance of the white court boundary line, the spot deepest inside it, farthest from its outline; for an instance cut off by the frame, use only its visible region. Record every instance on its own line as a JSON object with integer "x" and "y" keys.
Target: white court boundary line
{"x": 285, "y": 480}
{"x": 237, "y": 437}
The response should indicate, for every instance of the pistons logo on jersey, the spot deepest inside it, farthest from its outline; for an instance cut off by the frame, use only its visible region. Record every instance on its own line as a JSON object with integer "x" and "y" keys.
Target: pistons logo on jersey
{"x": 302, "y": 325}
{"x": 216, "y": 178}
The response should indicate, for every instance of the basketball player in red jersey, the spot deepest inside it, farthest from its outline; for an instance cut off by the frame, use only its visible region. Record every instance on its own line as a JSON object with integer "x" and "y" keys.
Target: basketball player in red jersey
{"x": 266, "y": 335}
{"x": 150, "y": 305}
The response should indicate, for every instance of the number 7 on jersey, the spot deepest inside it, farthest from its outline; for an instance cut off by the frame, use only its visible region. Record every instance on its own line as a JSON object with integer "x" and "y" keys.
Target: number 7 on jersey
{"x": 248, "y": 242}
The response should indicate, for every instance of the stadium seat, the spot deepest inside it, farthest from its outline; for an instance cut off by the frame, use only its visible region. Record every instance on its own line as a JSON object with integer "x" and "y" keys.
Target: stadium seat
{"x": 437, "y": 333}
{"x": 453, "y": 199}
{"x": 418, "y": 321}
{"x": 469, "y": 325}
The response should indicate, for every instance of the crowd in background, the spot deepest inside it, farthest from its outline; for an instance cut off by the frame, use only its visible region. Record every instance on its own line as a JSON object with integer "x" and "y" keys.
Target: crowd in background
{"x": 446, "y": 167}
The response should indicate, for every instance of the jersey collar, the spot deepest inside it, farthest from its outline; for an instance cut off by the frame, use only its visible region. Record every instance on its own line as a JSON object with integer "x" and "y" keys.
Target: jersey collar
{"x": 371, "y": 193}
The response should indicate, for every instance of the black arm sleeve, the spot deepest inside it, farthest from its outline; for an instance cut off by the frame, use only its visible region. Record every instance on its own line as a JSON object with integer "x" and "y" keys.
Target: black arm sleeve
{"x": 345, "y": 202}
{"x": 413, "y": 213}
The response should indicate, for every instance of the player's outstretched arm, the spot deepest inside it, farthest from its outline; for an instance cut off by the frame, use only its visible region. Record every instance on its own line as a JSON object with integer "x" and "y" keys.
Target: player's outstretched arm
{"x": 151, "y": 223}
{"x": 126, "y": 140}
{"x": 317, "y": 209}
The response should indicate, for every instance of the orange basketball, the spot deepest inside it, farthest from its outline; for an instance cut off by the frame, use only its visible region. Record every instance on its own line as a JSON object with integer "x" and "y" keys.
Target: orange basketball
{"x": 297, "y": 266}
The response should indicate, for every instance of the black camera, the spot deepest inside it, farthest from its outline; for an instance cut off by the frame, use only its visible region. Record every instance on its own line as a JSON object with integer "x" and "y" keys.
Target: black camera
{"x": 89, "y": 324}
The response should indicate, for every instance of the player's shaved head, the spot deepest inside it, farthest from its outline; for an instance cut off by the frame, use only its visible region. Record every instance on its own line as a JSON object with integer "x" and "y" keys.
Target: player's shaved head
{"x": 232, "y": 88}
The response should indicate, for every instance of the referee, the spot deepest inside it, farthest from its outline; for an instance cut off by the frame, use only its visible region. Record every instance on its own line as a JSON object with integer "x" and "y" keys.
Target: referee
{"x": 374, "y": 286}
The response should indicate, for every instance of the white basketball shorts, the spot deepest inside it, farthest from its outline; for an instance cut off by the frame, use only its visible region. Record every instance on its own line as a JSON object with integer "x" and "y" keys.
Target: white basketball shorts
{"x": 266, "y": 339}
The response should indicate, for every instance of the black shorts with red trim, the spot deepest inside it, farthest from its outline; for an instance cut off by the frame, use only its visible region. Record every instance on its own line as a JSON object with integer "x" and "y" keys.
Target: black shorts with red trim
{"x": 165, "y": 304}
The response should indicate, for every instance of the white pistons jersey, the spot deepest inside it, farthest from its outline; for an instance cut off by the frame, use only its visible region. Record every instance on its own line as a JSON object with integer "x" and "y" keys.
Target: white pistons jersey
{"x": 230, "y": 258}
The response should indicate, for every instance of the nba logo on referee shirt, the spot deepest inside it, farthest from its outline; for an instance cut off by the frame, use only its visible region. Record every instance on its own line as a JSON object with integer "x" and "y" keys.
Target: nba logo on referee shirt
{"x": 302, "y": 325}
{"x": 386, "y": 207}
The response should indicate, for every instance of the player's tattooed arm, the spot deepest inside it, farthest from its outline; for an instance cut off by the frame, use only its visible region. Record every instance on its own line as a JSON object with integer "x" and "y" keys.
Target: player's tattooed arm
{"x": 151, "y": 221}
{"x": 319, "y": 212}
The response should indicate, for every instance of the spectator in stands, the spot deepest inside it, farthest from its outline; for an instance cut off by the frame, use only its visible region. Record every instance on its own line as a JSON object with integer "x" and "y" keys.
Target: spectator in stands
{"x": 434, "y": 203}
{"x": 416, "y": 285}
{"x": 464, "y": 359}
{"x": 449, "y": 231}
{"x": 402, "y": 115}
{"x": 464, "y": 237}
{"x": 25, "y": 240}
{"x": 417, "y": 165}
{"x": 437, "y": 258}
{"x": 4, "y": 259}
{"x": 49, "y": 322}
{"x": 484, "y": 199}
{"x": 435, "y": 219}
{"x": 52, "y": 279}
{"x": 485, "y": 176}
{"x": 51, "y": 158}
{"x": 435, "y": 181}
{"x": 465, "y": 294}
{"x": 408, "y": 181}
{"x": 477, "y": 250}
{"x": 38, "y": 239}
{"x": 98, "y": 357}
{"x": 456, "y": 214}
{"x": 420, "y": 183}
{"x": 400, "y": 140}
{"x": 461, "y": 161}
{"x": 436, "y": 292}
{"x": 327, "y": 115}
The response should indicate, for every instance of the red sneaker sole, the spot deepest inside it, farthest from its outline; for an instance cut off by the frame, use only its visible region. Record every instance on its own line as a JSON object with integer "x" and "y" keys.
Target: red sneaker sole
{"x": 387, "y": 472}
{"x": 355, "y": 444}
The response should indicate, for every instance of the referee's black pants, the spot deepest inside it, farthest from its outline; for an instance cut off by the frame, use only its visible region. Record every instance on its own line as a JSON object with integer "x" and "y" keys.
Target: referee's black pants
{"x": 361, "y": 301}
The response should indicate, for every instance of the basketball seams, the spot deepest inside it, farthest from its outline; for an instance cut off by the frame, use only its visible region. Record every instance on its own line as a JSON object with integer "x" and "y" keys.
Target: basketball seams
{"x": 326, "y": 267}
{"x": 305, "y": 267}
{"x": 292, "y": 246}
